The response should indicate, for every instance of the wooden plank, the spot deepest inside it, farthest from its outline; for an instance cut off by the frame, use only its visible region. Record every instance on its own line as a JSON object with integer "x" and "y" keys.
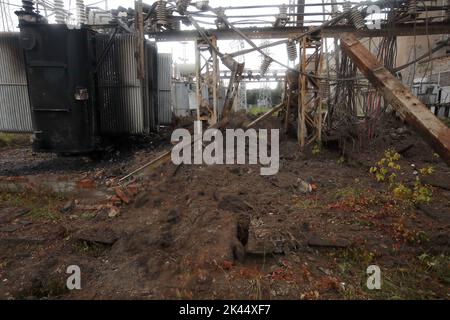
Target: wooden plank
{"x": 413, "y": 111}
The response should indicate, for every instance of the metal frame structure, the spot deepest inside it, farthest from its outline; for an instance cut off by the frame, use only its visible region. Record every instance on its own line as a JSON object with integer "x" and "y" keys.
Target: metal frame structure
{"x": 411, "y": 109}
{"x": 292, "y": 24}
{"x": 207, "y": 79}
{"x": 292, "y": 32}
{"x": 309, "y": 99}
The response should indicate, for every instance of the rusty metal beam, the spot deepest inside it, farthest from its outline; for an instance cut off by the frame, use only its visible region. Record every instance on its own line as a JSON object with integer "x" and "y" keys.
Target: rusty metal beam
{"x": 291, "y": 32}
{"x": 400, "y": 97}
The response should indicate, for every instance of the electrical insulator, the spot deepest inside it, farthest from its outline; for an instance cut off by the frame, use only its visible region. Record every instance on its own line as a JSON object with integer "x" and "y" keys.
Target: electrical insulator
{"x": 81, "y": 11}
{"x": 161, "y": 13}
{"x": 182, "y": 6}
{"x": 291, "y": 50}
{"x": 265, "y": 65}
{"x": 202, "y": 5}
{"x": 357, "y": 18}
{"x": 412, "y": 7}
{"x": 346, "y": 6}
{"x": 28, "y": 5}
{"x": 281, "y": 18}
{"x": 220, "y": 23}
{"x": 59, "y": 11}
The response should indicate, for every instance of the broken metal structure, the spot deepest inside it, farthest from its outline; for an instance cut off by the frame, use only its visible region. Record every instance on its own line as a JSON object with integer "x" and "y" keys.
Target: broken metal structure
{"x": 413, "y": 111}
{"x": 322, "y": 87}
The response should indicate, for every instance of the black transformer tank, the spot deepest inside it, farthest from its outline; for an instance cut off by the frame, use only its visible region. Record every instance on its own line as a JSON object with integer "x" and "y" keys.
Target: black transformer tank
{"x": 60, "y": 66}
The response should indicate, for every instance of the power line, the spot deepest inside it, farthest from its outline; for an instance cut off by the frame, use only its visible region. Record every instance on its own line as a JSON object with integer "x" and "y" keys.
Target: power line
{"x": 10, "y": 4}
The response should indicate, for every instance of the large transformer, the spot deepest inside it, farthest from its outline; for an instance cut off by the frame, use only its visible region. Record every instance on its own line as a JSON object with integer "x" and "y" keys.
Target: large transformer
{"x": 60, "y": 66}
{"x": 83, "y": 86}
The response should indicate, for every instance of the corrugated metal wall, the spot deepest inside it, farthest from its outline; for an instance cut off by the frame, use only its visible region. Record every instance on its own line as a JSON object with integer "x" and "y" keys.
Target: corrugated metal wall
{"x": 125, "y": 107}
{"x": 180, "y": 98}
{"x": 120, "y": 95}
{"x": 15, "y": 111}
{"x": 151, "y": 54}
{"x": 164, "y": 88}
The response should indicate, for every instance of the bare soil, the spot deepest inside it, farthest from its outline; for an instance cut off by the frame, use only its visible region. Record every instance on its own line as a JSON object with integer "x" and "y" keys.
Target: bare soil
{"x": 225, "y": 232}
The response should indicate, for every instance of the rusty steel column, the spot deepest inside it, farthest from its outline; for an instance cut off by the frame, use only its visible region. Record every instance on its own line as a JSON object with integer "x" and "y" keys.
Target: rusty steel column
{"x": 414, "y": 112}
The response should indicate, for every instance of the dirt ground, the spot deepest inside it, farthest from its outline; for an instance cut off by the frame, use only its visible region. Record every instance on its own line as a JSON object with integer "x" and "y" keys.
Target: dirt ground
{"x": 225, "y": 232}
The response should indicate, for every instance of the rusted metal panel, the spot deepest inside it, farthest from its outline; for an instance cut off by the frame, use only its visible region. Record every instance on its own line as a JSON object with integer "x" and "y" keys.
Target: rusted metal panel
{"x": 15, "y": 111}
{"x": 400, "y": 97}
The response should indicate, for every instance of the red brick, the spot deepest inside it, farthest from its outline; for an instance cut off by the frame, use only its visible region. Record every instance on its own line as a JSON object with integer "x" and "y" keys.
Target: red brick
{"x": 86, "y": 184}
{"x": 122, "y": 195}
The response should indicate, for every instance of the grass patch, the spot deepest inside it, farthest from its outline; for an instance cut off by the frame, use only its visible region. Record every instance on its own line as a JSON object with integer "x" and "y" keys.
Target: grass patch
{"x": 348, "y": 192}
{"x": 89, "y": 248}
{"x": 424, "y": 277}
{"x": 42, "y": 204}
{"x": 446, "y": 121}
{"x": 11, "y": 139}
{"x": 303, "y": 203}
{"x": 437, "y": 266}
{"x": 256, "y": 111}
